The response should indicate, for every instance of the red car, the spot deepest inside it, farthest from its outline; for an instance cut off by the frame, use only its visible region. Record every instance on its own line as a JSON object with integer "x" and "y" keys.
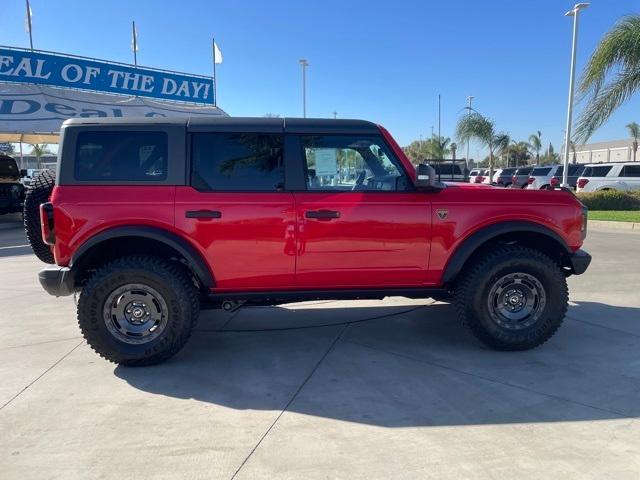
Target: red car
{"x": 150, "y": 218}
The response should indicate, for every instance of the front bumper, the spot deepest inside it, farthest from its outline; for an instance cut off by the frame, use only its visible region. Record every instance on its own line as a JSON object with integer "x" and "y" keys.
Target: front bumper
{"x": 57, "y": 281}
{"x": 580, "y": 261}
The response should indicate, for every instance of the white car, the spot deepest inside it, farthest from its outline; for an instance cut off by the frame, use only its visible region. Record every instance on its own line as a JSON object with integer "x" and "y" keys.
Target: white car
{"x": 478, "y": 175}
{"x": 610, "y": 176}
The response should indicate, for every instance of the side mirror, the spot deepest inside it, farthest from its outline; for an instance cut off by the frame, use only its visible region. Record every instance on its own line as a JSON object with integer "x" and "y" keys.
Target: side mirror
{"x": 23, "y": 172}
{"x": 426, "y": 177}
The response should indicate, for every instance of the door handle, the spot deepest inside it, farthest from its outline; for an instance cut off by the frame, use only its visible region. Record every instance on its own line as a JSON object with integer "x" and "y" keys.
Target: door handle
{"x": 203, "y": 214}
{"x": 322, "y": 214}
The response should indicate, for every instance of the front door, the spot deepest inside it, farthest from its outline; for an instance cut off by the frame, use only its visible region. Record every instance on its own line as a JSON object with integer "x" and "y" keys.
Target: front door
{"x": 237, "y": 211}
{"x": 360, "y": 222}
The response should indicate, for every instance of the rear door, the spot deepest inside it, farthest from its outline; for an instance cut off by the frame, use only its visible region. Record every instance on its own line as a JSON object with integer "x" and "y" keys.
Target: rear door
{"x": 360, "y": 222}
{"x": 236, "y": 208}
{"x": 630, "y": 177}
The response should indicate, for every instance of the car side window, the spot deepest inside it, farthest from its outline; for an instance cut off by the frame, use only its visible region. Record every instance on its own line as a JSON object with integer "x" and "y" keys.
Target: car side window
{"x": 121, "y": 156}
{"x": 237, "y": 162}
{"x": 630, "y": 171}
{"x": 351, "y": 163}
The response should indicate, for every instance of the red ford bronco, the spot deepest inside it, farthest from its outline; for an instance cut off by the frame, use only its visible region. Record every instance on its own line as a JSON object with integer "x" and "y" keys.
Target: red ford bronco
{"x": 150, "y": 218}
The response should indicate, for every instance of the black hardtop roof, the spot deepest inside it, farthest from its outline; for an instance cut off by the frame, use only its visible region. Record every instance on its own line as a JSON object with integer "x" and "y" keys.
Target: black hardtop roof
{"x": 249, "y": 124}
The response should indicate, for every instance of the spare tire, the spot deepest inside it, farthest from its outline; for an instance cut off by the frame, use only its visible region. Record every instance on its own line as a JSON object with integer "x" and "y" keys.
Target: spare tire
{"x": 38, "y": 193}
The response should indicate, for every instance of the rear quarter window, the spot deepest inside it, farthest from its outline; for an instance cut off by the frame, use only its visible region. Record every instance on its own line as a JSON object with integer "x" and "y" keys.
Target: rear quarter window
{"x": 121, "y": 156}
{"x": 597, "y": 171}
{"x": 630, "y": 171}
{"x": 540, "y": 172}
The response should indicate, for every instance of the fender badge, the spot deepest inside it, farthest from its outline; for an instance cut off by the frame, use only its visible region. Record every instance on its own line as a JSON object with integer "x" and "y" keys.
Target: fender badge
{"x": 442, "y": 213}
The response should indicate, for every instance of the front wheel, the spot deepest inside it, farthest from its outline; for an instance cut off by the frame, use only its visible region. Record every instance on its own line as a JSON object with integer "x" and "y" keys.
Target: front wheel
{"x": 138, "y": 310}
{"x": 512, "y": 298}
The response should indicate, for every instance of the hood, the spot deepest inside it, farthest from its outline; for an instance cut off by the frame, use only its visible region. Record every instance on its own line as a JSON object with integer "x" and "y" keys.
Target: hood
{"x": 477, "y": 192}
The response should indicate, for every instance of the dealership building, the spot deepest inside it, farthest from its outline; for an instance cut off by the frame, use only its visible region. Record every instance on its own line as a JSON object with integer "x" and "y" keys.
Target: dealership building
{"x": 613, "y": 151}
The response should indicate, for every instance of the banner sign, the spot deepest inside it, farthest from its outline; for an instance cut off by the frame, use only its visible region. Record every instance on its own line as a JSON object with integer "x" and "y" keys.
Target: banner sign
{"x": 26, "y": 66}
{"x": 28, "y": 109}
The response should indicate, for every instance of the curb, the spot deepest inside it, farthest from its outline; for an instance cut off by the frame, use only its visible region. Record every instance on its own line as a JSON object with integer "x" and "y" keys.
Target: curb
{"x": 611, "y": 225}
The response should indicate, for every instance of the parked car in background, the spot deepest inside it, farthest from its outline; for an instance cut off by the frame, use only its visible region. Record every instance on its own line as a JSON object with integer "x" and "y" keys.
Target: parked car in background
{"x": 502, "y": 177}
{"x": 449, "y": 172}
{"x": 11, "y": 190}
{"x": 473, "y": 174}
{"x": 479, "y": 177}
{"x": 550, "y": 176}
{"x": 610, "y": 176}
{"x": 520, "y": 178}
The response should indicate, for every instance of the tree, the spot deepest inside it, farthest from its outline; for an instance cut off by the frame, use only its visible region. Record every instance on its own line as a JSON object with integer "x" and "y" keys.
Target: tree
{"x": 618, "y": 52}
{"x": 535, "y": 139}
{"x": 634, "y": 131}
{"x": 550, "y": 156}
{"x": 433, "y": 148}
{"x": 39, "y": 149}
{"x": 474, "y": 126}
{"x": 518, "y": 152}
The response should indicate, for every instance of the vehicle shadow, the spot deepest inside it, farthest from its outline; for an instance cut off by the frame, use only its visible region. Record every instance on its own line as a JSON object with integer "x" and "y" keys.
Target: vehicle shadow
{"x": 406, "y": 366}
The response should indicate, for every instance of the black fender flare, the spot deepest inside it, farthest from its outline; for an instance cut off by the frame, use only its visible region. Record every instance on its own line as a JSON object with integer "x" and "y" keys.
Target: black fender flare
{"x": 480, "y": 237}
{"x": 195, "y": 260}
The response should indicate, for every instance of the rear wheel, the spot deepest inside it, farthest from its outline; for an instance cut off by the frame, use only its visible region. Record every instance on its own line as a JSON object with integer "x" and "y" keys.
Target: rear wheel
{"x": 513, "y": 298}
{"x": 38, "y": 193}
{"x": 138, "y": 310}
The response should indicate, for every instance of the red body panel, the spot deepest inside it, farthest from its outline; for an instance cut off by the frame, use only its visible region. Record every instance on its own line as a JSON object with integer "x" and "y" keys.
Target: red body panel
{"x": 264, "y": 241}
{"x": 379, "y": 240}
{"x": 252, "y": 245}
{"x": 81, "y": 212}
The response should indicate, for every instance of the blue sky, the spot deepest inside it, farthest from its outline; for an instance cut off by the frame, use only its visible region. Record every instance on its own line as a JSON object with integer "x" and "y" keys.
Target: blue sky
{"x": 382, "y": 61}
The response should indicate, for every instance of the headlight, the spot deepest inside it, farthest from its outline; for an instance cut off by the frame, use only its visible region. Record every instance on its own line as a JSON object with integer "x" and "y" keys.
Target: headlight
{"x": 15, "y": 190}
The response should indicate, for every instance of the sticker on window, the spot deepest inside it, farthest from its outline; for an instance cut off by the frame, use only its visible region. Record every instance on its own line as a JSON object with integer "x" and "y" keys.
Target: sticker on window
{"x": 326, "y": 161}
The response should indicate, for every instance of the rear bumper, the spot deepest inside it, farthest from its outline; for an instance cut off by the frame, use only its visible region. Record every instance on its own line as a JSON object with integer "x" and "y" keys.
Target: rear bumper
{"x": 57, "y": 281}
{"x": 580, "y": 261}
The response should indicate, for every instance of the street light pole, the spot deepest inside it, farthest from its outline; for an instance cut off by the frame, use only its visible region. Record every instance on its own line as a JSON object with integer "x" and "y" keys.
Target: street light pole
{"x": 469, "y": 98}
{"x": 304, "y": 64}
{"x": 567, "y": 137}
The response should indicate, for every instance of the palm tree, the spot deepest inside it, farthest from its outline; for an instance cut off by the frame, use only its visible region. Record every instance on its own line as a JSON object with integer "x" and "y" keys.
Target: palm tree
{"x": 634, "y": 131}
{"x": 618, "y": 52}
{"x": 39, "y": 149}
{"x": 535, "y": 140}
{"x": 476, "y": 126}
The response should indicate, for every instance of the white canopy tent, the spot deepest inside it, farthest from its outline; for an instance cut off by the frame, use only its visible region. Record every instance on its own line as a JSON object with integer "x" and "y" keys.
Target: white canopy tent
{"x": 34, "y": 113}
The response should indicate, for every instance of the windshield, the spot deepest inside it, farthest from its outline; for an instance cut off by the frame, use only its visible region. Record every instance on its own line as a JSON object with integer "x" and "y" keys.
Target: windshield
{"x": 8, "y": 168}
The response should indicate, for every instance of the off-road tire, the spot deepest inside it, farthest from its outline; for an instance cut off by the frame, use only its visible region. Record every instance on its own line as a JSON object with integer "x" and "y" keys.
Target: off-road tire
{"x": 167, "y": 278}
{"x": 471, "y": 296}
{"x": 38, "y": 193}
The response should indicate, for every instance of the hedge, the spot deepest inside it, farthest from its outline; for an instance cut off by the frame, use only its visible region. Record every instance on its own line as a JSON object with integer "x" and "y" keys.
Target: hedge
{"x": 611, "y": 200}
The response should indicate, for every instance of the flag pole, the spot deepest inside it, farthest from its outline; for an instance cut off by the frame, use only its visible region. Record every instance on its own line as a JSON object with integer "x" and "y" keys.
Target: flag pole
{"x": 29, "y": 24}
{"x": 135, "y": 45}
{"x": 215, "y": 79}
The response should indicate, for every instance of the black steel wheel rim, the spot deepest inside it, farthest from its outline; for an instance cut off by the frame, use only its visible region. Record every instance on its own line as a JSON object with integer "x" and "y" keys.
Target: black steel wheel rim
{"x": 135, "y": 313}
{"x": 516, "y": 301}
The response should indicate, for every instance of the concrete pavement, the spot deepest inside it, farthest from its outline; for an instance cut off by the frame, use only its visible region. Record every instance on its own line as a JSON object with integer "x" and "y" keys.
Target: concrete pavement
{"x": 370, "y": 389}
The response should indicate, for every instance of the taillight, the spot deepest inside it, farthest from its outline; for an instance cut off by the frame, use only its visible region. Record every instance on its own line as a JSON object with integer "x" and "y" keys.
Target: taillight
{"x": 583, "y": 227}
{"x": 582, "y": 182}
{"x": 479, "y": 179}
{"x": 46, "y": 223}
{"x": 555, "y": 182}
{"x": 514, "y": 179}
{"x": 531, "y": 179}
